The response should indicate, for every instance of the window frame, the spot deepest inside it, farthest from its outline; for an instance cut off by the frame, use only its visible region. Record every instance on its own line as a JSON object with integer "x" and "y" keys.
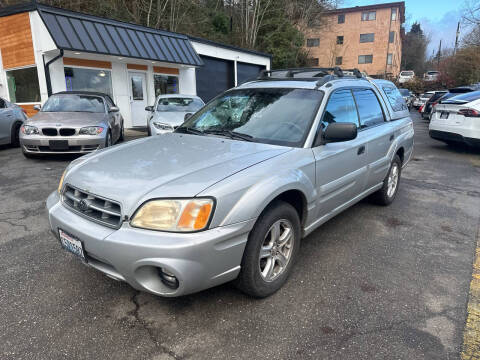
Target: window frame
{"x": 360, "y": 129}
{"x": 390, "y": 59}
{"x": 341, "y": 16}
{"x": 391, "y": 37}
{"x": 368, "y": 38}
{"x": 163, "y": 74}
{"x": 339, "y": 62}
{"x": 342, "y": 38}
{"x": 317, "y": 62}
{"x": 368, "y": 13}
{"x": 92, "y": 68}
{"x": 394, "y": 14}
{"x": 9, "y": 99}
{"x": 364, "y": 56}
{"x": 316, "y": 42}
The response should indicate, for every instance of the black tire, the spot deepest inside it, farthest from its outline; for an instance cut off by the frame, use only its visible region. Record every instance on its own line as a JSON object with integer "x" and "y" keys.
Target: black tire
{"x": 382, "y": 197}
{"x": 122, "y": 133}
{"x": 250, "y": 280}
{"x": 149, "y": 133}
{"x": 16, "y": 134}
{"x": 108, "y": 139}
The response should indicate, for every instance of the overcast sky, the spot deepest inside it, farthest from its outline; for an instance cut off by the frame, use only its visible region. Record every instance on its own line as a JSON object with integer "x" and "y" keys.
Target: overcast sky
{"x": 438, "y": 18}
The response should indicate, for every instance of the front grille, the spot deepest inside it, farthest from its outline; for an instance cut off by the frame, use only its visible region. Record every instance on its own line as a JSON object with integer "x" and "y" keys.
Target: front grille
{"x": 67, "y": 132}
{"x": 93, "y": 207}
{"x": 49, "y": 131}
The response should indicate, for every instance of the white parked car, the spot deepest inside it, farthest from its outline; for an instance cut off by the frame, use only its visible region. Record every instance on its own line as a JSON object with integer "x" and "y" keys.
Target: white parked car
{"x": 457, "y": 120}
{"x": 422, "y": 99}
{"x": 405, "y": 76}
{"x": 169, "y": 112}
{"x": 431, "y": 76}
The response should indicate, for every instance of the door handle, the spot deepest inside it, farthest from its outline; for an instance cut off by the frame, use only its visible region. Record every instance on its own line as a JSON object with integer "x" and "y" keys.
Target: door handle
{"x": 361, "y": 150}
{"x": 392, "y": 137}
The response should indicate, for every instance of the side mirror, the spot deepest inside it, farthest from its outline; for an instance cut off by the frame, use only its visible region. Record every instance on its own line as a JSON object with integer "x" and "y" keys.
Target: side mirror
{"x": 37, "y": 107}
{"x": 337, "y": 132}
{"x": 187, "y": 116}
{"x": 114, "y": 109}
{"x": 149, "y": 108}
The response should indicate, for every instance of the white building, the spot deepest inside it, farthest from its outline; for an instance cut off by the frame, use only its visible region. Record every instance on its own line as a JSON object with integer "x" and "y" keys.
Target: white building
{"x": 44, "y": 50}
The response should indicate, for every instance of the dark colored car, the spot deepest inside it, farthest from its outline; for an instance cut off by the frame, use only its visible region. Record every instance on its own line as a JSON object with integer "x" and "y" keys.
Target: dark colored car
{"x": 428, "y": 107}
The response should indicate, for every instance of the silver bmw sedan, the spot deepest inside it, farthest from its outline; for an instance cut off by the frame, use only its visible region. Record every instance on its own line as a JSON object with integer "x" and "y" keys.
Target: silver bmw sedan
{"x": 72, "y": 122}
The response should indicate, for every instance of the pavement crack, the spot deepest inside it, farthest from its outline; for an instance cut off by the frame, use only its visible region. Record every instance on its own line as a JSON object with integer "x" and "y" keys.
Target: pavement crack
{"x": 10, "y": 222}
{"x": 149, "y": 330}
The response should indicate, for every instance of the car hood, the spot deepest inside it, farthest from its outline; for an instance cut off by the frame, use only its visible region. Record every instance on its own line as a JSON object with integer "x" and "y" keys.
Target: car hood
{"x": 174, "y": 118}
{"x": 74, "y": 119}
{"x": 169, "y": 165}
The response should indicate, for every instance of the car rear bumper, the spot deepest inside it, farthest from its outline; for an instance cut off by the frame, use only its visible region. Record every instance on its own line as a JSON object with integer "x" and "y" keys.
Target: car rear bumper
{"x": 454, "y": 137}
{"x": 76, "y": 144}
{"x": 198, "y": 260}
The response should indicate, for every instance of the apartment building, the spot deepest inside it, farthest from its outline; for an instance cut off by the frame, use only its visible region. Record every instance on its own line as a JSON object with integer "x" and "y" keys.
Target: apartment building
{"x": 365, "y": 37}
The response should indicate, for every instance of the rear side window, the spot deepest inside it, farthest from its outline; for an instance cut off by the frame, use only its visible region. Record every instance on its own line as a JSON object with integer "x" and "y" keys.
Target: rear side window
{"x": 369, "y": 108}
{"x": 2, "y": 104}
{"x": 340, "y": 108}
{"x": 395, "y": 98}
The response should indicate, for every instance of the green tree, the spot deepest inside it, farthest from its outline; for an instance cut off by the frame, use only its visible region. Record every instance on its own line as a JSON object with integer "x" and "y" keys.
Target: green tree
{"x": 414, "y": 50}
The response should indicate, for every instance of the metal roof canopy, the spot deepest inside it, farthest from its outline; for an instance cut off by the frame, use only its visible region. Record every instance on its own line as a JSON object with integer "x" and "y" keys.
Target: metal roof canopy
{"x": 86, "y": 33}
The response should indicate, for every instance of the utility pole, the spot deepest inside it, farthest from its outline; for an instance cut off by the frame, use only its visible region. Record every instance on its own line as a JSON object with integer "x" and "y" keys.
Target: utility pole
{"x": 439, "y": 53}
{"x": 456, "y": 38}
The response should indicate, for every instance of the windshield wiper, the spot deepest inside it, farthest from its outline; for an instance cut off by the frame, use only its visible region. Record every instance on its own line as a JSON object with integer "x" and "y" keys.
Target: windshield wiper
{"x": 189, "y": 130}
{"x": 230, "y": 134}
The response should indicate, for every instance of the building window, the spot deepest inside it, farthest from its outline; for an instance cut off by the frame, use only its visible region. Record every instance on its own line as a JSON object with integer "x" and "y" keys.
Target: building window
{"x": 80, "y": 79}
{"x": 389, "y": 59}
{"x": 313, "y": 42}
{"x": 394, "y": 14}
{"x": 391, "y": 37}
{"x": 23, "y": 85}
{"x": 341, "y": 18}
{"x": 367, "y": 37}
{"x": 165, "y": 84}
{"x": 365, "y": 59}
{"x": 338, "y": 60}
{"x": 312, "y": 62}
{"x": 369, "y": 15}
{"x": 339, "y": 40}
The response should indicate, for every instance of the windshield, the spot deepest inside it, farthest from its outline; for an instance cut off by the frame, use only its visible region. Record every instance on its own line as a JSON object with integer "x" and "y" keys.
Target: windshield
{"x": 179, "y": 104}
{"x": 74, "y": 103}
{"x": 273, "y": 116}
{"x": 406, "y": 73}
{"x": 404, "y": 92}
{"x": 432, "y": 72}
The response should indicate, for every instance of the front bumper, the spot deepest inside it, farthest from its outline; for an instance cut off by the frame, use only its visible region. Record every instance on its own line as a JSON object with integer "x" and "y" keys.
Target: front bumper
{"x": 40, "y": 144}
{"x": 198, "y": 260}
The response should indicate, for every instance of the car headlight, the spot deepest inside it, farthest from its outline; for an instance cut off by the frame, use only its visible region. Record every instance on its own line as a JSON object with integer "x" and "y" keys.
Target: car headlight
{"x": 29, "y": 130}
{"x": 162, "y": 126}
{"x": 91, "y": 130}
{"x": 60, "y": 184}
{"x": 176, "y": 215}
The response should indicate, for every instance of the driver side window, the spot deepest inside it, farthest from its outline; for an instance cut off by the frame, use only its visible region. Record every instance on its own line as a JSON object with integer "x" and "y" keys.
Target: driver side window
{"x": 340, "y": 108}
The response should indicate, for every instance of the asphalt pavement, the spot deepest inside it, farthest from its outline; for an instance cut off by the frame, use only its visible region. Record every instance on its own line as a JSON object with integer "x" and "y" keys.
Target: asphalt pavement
{"x": 372, "y": 283}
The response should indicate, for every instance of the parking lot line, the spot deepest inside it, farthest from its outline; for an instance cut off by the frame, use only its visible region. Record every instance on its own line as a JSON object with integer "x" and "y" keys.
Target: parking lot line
{"x": 471, "y": 335}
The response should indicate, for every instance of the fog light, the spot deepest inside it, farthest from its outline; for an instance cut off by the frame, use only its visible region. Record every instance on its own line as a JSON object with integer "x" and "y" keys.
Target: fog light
{"x": 168, "y": 279}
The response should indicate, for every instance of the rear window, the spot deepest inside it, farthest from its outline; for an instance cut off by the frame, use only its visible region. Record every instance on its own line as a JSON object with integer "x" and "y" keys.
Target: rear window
{"x": 406, "y": 73}
{"x": 432, "y": 72}
{"x": 464, "y": 98}
{"x": 404, "y": 92}
{"x": 395, "y": 98}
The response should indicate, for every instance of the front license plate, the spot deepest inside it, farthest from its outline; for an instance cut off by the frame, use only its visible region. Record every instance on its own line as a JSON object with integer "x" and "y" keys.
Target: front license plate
{"x": 444, "y": 115}
{"x": 58, "y": 144}
{"x": 72, "y": 244}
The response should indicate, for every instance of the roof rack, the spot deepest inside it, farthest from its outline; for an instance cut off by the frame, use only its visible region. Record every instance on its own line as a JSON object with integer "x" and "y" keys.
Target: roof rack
{"x": 325, "y": 74}
{"x": 306, "y": 73}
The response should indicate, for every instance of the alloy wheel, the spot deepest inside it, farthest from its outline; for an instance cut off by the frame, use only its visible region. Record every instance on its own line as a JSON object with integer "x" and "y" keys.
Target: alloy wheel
{"x": 392, "y": 181}
{"x": 276, "y": 250}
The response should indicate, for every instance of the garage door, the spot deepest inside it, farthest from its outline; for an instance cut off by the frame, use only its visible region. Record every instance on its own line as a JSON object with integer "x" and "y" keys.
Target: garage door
{"x": 214, "y": 77}
{"x": 246, "y": 72}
